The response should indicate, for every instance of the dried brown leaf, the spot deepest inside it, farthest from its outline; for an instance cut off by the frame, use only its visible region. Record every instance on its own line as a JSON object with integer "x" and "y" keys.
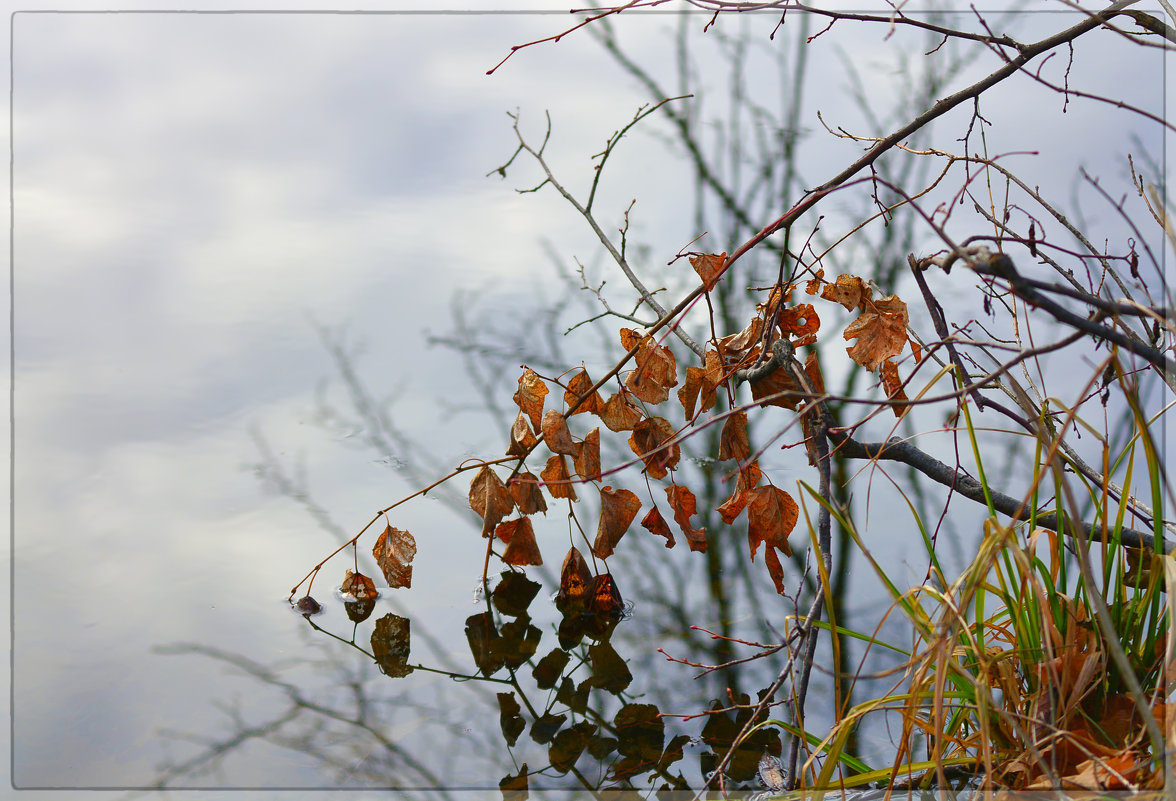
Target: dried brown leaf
{"x": 648, "y": 436}
{"x": 618, "y": 507}
{"x": 893, "y": 386}
{"x": 880, "y": 332}
{"x": 489, "y": 499}
{"x": 394, "y": 552}
{"x": 684, "y": 504}
{"x": 522, "y": 440}
{"x": 848, "y": 290}
{"x": 733, "y": 442}
{"x": 619, "y": 413}
{"x": 556, "y": 433}
{"x": 521, "y": 547}
{"x": 799, "y": 322}
{"x": 656, "y": 524}
{"x": 749, "y": 477}
{"x": 587, "y": 457}
{"x": 529, "y": 396}
{"x": 578, "y": 388}
{"x": 359, "y": 586}
{"x": 655, "y": 371}
{"x": 709, "y": 268}
{"x": 527, "y": 495}
{"x": 771, "y": 516}
{"x": 574, "y": 579}
{"x": 555, "y": 476}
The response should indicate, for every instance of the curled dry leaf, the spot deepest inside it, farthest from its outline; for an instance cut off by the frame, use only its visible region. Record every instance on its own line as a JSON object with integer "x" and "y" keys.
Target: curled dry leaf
{"x": 529, "y": 396}
{"x": 556, "y": 433}
{"x": 848, "y": 290}
{"x": 489, "y": 499}
{"x": 525, "y": 492}
{"x": 522, "y": 440}
{"x": 521, "y": 548}
{"x": 648, "y": 437}
{"x": 574, "y": 578}
{"x": 555, "y": 476}
{"x": 618, "y": 507}
{"x": 684, "y": 504}
{"x": 656, "y": 524}
{"x": 359, "y": 586}
{"x": 619, "y": 413}
{"x": 771, "y": 516}
{"x": 814, "y": 284}
{"x": 733, "y": 443}
{"x": 800, "y": 322}
{"x": 893, "y": 386}
{"x": 709, "y": 268}
{"x": 880, "y": 332}
{"x": 394, "y": 552}
{"x": 578, "y": 388}
{"x": 586, "y": 460}
{"x": 749, "y": 477}
{"x": 738, "y": 345}
{"x": 700, "y": 385}
{"x": 655, "y": 371}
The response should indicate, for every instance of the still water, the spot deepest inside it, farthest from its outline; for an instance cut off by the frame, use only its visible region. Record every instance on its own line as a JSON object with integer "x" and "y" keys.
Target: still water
{"x": 252, "y": 254}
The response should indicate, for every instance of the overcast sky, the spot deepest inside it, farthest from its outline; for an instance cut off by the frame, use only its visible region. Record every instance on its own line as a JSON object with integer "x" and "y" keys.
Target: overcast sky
{"x": 193, "y": 195}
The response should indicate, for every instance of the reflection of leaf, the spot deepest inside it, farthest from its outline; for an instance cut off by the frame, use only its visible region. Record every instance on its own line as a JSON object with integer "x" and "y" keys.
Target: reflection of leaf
{"x": 684, "y": 504}
{"x": 509, "y": 719}
{"x": 657, "y": 525}
{"x": 489, "y": 499}
{"x": 573, "y": 697}
{"x": 556, "y": 433}
{"x": 518, "y": 642}
{"x": 578, "y": 387}
{"x": 648, "y": 436}
{"x": 514, "y": 593}
{"x": 394, "y": 552}
{"x": 359, "y": 611}
{"x": 880, "y": 332}
{"x": 484, "y": 643}
{"x": 514, "y": 788}
{"x": 569, "y": 744}
{"x": 609, "y": 671}
{"x": 530, "y": 395}
{"x": 550, "y": 668}
{"x": 618, "y": 507}
{"x": 555, "y": 476}
{"x": 543, "y": 729}
{"x": 521, "y": 548}
{"x": 640, "y": 732}
{"x": 720, "y": 733}
{"x": 391, "y": 642}
{"x": 673, "y": 753}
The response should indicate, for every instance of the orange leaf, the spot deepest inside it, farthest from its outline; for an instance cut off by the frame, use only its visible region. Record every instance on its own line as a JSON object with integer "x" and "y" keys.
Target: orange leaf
{"x": 709, "y": 267}
{"x": 521, "y": 437}
{"x": 745, "y": 340}
{"x": 749, "y": 476}
{"x": 684, "y": 504}
{"x": 771, "y": 516}
{"x": 688, "y": 394}
{"x": 524, "y": 490}
{"x": 555, "y": 476}
{"x": 880, "y": 332}
{"x": 556, "y": 434}
{"x": 849, "y": 290}
{"x": 619, "y": 414}
{"x": 656, "y": 524}
{"x": 618, "y": 507}
{"x": 530, "y": 395}
{"x": 648, "y": 436}
{"x": 574, "y": 579}
{"x": 489, "y": 498}
{"x": 577, "y": 388}
{"x": 771, "y": 387}
{"x": 587, "y": 457}
{"x": 359, "y": 586}
{"x": 521, "y": 548}
{"x": 605, "y": 597}
{"x": 656, "y": 368}
{"x": 775, "y": 569}
{"x": 394, "y": 551}
{"x": 813, "y": 286}
{"x": 893, "y": 385}
{"x": 733, "y": 442}
{"x": 799, "y": 321}
{"x": 812, "y": 368}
